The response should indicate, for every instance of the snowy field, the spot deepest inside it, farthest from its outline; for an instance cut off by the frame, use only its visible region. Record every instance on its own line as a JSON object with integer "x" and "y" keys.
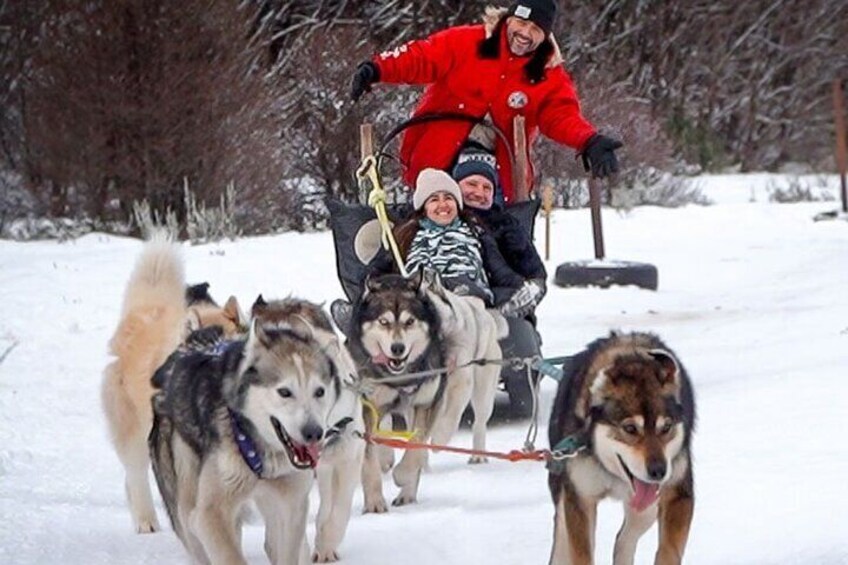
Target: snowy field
{"x": 753, "y": 297}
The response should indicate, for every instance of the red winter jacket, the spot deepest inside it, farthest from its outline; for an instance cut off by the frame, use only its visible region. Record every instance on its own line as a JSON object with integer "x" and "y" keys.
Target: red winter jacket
{"x": 460, "y": 81}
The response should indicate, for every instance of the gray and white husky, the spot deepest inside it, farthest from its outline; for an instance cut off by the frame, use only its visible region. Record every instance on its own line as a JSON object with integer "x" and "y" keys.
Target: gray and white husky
{"x": 471, "y": 333}
{"x": 243, "y": 423}
{"x": 410, "y": 325}
{"x": 393, "y": 329}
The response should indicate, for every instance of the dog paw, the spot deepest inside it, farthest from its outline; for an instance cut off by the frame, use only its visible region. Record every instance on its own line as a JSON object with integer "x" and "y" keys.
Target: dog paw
{"x": 327, "y": 556}
{"x": 378, "y": 506}
{"x": 477, "y": 459}
{"x": 147, "y": 527}
{"x": 404, "y": 499}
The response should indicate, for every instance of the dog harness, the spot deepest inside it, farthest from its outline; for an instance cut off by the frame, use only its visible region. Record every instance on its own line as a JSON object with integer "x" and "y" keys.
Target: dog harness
{"x": 335, "y": 432}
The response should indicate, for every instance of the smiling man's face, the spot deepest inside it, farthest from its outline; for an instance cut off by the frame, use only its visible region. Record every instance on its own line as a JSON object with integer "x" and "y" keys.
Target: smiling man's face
{"x": 523, "y": 36}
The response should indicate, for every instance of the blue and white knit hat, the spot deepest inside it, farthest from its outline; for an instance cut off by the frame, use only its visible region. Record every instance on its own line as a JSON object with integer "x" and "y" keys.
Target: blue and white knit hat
{"x": 476, "y": 162}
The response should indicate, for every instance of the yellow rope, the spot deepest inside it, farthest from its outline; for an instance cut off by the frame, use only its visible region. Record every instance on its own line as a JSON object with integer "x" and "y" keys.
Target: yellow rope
{"x": 377, "y": 200}
{"x": 375, "y": 430}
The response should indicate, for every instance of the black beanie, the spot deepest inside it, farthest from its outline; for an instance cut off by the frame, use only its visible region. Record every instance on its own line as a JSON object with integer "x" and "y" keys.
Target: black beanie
{"x": 540, "y": 12}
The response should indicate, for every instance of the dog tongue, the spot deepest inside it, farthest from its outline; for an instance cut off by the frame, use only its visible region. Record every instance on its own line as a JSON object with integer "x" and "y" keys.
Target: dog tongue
{"x": 645, "y": 495}
{"x": 308, "y": 452}
{"x": 313, "y": 450}
{"x": 380, "y": 359}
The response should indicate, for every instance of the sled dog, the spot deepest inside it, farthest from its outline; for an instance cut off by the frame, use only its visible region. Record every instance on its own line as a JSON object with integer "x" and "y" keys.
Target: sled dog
{"x": 154, "y": 318}
{"x": 394, "y": 329}
{"x": 628, "y": 401}
{"x": 244, "y": 423}
{"x": 470, "y": 332}
{"x": 340, "y": 466}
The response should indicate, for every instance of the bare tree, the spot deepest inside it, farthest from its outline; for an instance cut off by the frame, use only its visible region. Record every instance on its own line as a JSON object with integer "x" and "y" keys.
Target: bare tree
{"x": 107, "y": 103}
{"x": 741, "y": 80}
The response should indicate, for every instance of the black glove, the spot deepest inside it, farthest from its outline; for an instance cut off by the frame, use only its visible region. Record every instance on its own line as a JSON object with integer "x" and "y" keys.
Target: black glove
{"x": 524, "y": 300}
{"x": 342, "y": 312}
{"x": 599, "y": 156}
{"x": 367, "y": 73}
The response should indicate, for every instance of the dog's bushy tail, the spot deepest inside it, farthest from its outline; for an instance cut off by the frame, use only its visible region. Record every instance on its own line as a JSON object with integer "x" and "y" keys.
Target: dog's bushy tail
{"x": 150, "y": 328}
{"x": 158, "y": 276}
{"x": 154, "y": 306}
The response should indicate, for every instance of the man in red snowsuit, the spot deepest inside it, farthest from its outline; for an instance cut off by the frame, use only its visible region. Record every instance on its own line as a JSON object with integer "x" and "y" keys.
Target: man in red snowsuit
{"x": 505, "y": 67}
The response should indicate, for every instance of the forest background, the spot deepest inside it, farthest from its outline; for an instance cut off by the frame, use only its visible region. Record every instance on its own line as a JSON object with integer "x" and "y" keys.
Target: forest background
{"x": 109, "y": 109}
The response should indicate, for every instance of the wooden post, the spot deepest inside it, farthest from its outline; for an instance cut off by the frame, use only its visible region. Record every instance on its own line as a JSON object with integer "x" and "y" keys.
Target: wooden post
{"x": 366, "y": 149}
{"x": 841, "y": 150}
{"x": 597, "y": 228}
{"x": 519, "y": 170}
{"x": 366, "y": 140}
{"x": 547, "y": 207}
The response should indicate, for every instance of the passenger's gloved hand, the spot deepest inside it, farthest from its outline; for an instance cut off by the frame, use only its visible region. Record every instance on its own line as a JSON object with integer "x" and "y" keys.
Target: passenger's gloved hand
{"x": 367, "y": 73}
{"x": 599, "y": 156}
{"x": 342, "y": 312}
{"x": 524, "y": 300}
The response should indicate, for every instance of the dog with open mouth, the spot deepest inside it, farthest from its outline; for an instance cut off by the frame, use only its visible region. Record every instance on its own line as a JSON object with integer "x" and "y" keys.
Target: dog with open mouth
{"x": 339, "y": 470}
{"x": 394, "y": 330}
{"x": 243, "y": 422}
{"x": 621, "y": 427}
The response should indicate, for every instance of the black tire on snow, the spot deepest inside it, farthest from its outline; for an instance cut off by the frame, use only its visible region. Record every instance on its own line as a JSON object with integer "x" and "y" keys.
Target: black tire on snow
{"x": 605, "y": 274}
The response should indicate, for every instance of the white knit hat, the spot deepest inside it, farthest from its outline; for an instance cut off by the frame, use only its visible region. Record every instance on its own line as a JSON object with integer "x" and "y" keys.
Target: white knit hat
{"x": 431, "y": 181}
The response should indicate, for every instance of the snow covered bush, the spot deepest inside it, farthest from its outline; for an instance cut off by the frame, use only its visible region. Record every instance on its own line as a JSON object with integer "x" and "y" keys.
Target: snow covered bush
{"x": 647, "y": 186}
{"x": 204, "y": 223}
{"x": 61, "y": 229}
{"x": 148, "y": 220}
{"x": 798, "y": 190}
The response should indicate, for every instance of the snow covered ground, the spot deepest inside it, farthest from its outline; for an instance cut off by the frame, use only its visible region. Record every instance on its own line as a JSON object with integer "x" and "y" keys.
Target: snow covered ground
{"x": 753, "y": 297}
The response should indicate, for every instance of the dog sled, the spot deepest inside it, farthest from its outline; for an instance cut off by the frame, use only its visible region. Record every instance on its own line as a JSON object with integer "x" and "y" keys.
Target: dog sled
{"x": 357, "y": 237}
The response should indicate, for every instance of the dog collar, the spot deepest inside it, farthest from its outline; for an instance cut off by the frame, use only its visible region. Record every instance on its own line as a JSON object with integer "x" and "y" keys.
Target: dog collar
{"x": 247, "y": 447}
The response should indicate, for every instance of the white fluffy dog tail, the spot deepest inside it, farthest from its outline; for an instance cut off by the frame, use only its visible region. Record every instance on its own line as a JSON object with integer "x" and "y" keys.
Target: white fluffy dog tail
{"x": 153, "y": 313}
{"x": 158, "y": 277}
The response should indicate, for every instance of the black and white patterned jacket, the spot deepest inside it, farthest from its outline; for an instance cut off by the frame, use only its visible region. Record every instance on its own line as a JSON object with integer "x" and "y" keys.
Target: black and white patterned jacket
{"x": 463, "y": 255}
{"x": 454, "y": 251}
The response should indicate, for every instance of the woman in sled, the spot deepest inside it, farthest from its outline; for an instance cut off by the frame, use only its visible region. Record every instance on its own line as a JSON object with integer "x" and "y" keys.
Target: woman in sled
{"x": 442, "y": 236}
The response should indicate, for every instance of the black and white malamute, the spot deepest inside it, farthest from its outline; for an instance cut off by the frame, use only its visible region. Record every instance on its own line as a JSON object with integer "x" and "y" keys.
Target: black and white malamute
{"x": 628, "y": 401}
